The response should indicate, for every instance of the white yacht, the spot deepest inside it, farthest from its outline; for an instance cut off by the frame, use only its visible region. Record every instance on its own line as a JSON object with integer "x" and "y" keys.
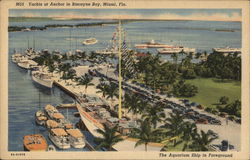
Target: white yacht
{"x": 169, "y": 50}
{"x": 42, "y": 78}
{"x": 60, "y": 138}
{"x": 27, "y": 64}
{"x": 76, "y": 138}
{"x": 151, "y": 44}
{"x": 227, "y": 50}
{"x": 89, "y": 41}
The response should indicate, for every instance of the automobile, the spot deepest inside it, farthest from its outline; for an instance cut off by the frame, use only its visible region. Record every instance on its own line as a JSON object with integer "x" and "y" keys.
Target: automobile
{"x": 216, "y": 122}
{"x": 238, "y": 120}
{"x": 201, "y": 121}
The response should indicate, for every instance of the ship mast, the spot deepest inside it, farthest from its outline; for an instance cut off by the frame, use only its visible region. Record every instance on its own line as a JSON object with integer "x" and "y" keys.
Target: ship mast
{"x": 120, "y": 75}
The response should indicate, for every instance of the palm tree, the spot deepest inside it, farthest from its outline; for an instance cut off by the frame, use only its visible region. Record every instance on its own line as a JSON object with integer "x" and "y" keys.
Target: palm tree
{"x": 85, "y": 80}
{"x": 202, "y": 141}
{"x": 132, "y": 102}
{"x": 174, "y": 126}
{"x": 102, "y": 88}
{"x": 109, "y": 137}
{"x": 154, "y": 114}
{"x": 145, "y": 133}
{"x": 175, "y": 58}
{"x": 112, "y": 91}
{"x": 189, "y": 131}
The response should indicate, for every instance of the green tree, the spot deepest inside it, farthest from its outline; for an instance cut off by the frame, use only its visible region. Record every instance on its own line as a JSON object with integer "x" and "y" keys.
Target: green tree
{"x": 145, "y": 133}
{"x": 154, "y": 114}
{"x": 224, "y": 100}
{"x": 85, "y": 80}
{"x": 109, "y": 137}
{"x": 174, "y": 126}
{"x": 202, "y": 141}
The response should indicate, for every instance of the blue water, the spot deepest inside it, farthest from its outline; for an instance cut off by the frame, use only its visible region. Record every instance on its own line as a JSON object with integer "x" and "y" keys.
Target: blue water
{"x": 24, "y": 102}
{"x": 24, "y": 94}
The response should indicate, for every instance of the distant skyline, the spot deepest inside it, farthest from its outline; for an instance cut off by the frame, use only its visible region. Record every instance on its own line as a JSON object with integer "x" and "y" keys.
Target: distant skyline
{"x": 158, "y": 14}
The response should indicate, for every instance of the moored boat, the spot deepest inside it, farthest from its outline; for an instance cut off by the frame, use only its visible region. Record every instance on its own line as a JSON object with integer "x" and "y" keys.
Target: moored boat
{"x": 49, "y": 109}
{"x": 35, "y": 142}
{"x": 27, "y": 64}
{"x": 51, "y": 124}
{"x": 227, "y": 50}
{"x": 151, "y": 44}
{"x": 60, "y": 138}
{"x": 40, "y": 117}
{"x": 169, "y": 50}
{"x": 42, "y": 78}
{"x": 76, "y": 138}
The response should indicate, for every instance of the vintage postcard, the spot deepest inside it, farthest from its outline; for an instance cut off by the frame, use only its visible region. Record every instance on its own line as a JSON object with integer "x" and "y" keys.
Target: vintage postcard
{"x": 124, "y": 79}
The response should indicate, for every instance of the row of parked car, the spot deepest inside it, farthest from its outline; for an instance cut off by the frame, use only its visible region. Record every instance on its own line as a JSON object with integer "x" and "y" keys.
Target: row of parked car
{"x": 186, "y": 109}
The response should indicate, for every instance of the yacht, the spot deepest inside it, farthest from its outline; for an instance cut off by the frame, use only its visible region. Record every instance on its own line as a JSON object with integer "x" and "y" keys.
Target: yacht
{"x": 151, "y": 44}
{"x": 35, "y": 142}
{"x": 40, "y": 117}
{"x": 27, "y": 64}
{"x": 227, "y": 50}
{"x": 89, "y": 41}
{"x": 169, "y": 50}
{"x": 42, "y": 78}
{"x": 60, "y": 138}
{"x": 76, "y": 138}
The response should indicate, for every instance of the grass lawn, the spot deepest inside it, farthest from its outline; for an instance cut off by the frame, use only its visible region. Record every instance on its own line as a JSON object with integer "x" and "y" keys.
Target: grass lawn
{"x": 210, "y": 90}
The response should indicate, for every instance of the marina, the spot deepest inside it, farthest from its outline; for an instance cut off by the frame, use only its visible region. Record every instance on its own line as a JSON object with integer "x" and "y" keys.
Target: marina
{"x": 71, "y": 93}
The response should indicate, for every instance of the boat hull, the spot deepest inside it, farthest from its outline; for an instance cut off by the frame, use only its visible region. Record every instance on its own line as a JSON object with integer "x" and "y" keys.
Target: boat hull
{"x": 59, "y": 145}
{"x": 89, "y": 123}
{"x": 35, "y": 142}
{"x": 47, "y": 83}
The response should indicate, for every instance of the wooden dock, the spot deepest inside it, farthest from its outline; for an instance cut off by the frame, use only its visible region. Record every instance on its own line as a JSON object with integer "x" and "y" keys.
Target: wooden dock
{"x": 69, "y": 105}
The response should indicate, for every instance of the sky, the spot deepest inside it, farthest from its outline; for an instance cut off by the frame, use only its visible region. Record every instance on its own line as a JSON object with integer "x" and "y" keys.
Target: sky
{"x": 158, "y": 14}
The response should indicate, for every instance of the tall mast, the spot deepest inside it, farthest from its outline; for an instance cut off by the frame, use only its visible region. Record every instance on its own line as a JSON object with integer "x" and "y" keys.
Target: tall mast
{"x": 120, "y": 70}
{"x": 28, "y": 42}
{"x": 34, "y": 44}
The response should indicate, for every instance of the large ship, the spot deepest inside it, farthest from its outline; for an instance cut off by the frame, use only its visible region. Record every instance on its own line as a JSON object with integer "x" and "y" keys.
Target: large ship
{"x": 43, "y": 78}
{"x": 151, "y": 44}
{"x": 34, "y": 142}
{"x": 227, "y": 50}
{"x": 176, "y": 49}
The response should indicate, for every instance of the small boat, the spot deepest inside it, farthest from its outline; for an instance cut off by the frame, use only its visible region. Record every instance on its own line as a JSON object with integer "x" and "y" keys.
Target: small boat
{"x": 66, "y": 124}
{"x": 42, "y": 78}
{"x": 35, "y": 142}
{"x": 89, "y": 41}
{"x": 49, "y": 109}
{"x": 76, "y": 138}
{"x": 40, "y": 117}
{"x": 60, "y": 138}
{"x": 51, "y": 124}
